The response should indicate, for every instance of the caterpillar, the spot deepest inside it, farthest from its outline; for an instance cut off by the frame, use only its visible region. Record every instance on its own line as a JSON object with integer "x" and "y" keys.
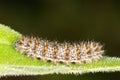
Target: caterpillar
{"x": 56, "y": 52}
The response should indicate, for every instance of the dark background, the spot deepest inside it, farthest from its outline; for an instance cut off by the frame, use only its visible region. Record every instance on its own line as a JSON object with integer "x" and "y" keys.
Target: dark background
{"x": 67, "y": 20}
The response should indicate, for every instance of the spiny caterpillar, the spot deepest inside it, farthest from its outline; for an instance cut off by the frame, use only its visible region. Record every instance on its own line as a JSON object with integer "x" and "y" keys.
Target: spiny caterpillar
{"x": 82, "y": 52}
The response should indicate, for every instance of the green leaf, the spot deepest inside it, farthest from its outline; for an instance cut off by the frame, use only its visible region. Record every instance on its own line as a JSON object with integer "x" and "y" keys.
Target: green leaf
{"x": 14, "y": 63}
{"x": 7, "y": 35}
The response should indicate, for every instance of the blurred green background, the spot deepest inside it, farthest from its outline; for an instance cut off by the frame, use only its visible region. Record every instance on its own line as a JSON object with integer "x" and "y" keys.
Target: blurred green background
{"x": 67, "y": 20}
